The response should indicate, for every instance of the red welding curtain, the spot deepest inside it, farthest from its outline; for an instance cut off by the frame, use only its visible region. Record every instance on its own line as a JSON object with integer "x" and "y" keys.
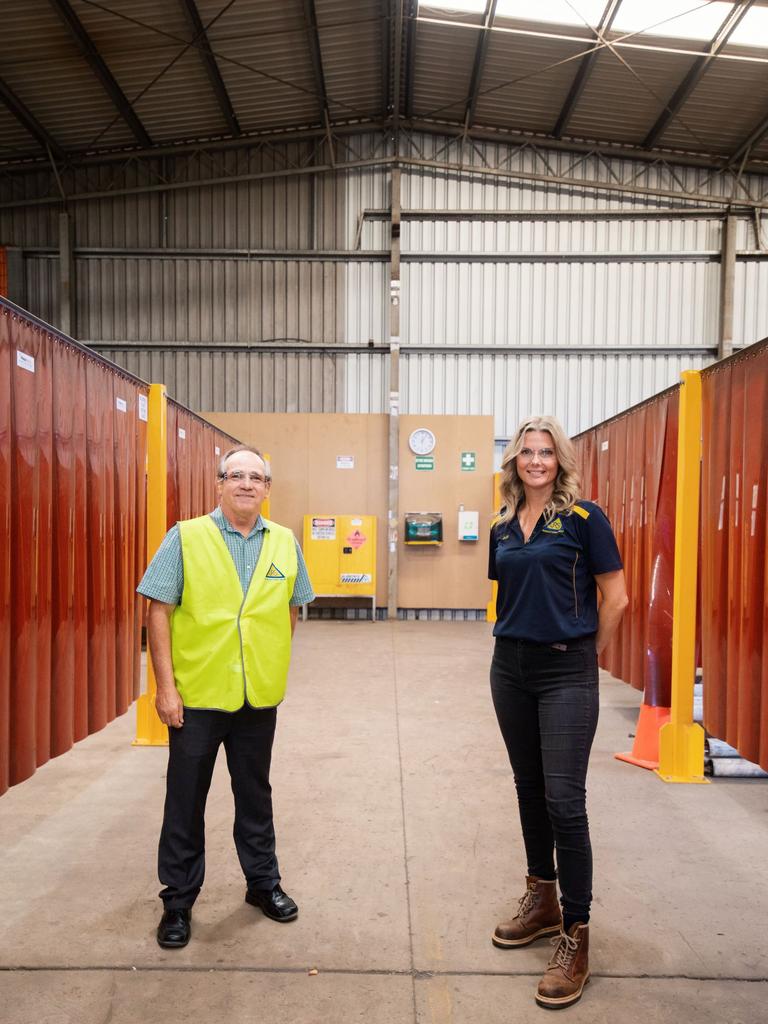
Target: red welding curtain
{"x": 734, "y": 610}
{"x": 629, "y": 467}
{"x": 72, "y": 458}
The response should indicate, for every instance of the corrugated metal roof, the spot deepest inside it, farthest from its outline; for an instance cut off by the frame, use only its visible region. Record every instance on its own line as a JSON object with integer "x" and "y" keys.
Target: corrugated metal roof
{"x": 264, "y": 53}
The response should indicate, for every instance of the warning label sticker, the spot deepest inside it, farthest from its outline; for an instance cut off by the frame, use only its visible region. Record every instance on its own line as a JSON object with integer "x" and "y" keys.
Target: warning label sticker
{"x": 355, "y": 577}
{"x": 356, "y": 539}
{"x": 323, "y": 529}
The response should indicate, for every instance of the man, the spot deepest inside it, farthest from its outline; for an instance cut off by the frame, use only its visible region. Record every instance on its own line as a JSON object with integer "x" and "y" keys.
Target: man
{"x": 225, "y": 591}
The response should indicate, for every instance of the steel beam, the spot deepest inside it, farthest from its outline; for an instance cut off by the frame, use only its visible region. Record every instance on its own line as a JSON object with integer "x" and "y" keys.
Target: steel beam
{"x": 410, "y": 57}
{"x": 597, "y": 213}
{"x": 458, "y": 169}
{"x": 753, "y": 139}
{"x": 203, "y": 47}
{"x": 397, "y": 69}
{"x": 294, "y": 346}
{"x": 67, "y": 292}
{"x": 108, "y": 81}
{"x": 585, "y": 70}
{"x": 727, "y": 288}
{"x": 386, "y": 58}
{"x": 696, "y": 72}
{"x": 395, "y": 299}
{"x": 479, "y": 63}
{"x": 313, "y": 39}
{"x": 25, "y": 117}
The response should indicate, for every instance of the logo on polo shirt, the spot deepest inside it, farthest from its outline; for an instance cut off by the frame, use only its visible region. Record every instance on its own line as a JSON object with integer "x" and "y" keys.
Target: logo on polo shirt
{"x": 274, "y": 573}
{"x": 556, "y": 526}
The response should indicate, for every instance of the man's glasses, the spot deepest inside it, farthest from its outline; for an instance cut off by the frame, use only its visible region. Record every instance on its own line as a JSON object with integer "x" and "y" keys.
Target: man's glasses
{"x": 237, "y": 476}
{"x": 544, "y": 454}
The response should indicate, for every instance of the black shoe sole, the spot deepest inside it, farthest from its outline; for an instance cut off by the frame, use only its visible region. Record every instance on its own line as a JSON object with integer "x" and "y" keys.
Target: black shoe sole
{"x": 170, "y": 944}
{"x": 252, "y": 900}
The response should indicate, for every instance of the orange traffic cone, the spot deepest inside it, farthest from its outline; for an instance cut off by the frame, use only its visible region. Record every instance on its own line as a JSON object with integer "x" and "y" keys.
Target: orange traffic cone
{"x": 645, "y": 749}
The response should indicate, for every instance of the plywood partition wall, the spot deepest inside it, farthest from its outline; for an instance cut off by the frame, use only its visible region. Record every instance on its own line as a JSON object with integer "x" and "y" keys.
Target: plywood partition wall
{"x": 305, "y": 447}
{"x": 454, "y": 575}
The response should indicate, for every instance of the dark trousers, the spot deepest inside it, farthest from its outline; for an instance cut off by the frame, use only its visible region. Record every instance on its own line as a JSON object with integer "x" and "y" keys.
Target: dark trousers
{"x": 546, "y": 702}
{"x": 247, "y": 736}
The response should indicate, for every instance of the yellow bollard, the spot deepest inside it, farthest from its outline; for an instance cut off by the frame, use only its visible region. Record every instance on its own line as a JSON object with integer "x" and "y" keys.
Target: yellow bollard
{"x": 490, "y": 608}
{"x": 150, "y": 731}
{"x": 681, "y": 740}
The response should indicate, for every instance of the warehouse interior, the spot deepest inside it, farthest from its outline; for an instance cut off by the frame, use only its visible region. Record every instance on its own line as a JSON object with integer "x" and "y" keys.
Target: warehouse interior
{"x": 370, "y": 238}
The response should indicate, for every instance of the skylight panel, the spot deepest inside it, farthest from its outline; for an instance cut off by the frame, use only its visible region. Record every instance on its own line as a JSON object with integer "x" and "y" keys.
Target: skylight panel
{"x": 753, "y": 29}
{"x": 559, "y": 12}
{"x": 697, "y": 20}
{"x": 680, "y": 19}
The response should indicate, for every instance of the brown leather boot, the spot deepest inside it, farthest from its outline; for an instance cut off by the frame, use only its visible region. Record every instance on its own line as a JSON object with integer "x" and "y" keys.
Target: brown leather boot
{"x": 539, "y": 915}
{"x": 568, "y": 970}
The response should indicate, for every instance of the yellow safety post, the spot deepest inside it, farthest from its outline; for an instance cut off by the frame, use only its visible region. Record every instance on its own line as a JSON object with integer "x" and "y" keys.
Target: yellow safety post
{"x": 681, "y": 740}
{"x": 490, "y": 608}
{"x": 150, "y": 731}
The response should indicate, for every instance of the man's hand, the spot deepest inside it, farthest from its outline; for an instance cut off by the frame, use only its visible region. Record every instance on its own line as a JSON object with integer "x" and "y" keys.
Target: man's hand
{"x": 168, "y": 702}
{"x": 170, "y": 707}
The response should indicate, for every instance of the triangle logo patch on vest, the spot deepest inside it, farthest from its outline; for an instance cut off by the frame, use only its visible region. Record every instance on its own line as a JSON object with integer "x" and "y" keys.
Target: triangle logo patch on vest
{"x": 274, "y": 573}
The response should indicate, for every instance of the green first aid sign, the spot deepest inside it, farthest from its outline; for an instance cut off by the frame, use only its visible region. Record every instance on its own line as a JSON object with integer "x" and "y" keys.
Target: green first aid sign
{"x": 468, "y": 461}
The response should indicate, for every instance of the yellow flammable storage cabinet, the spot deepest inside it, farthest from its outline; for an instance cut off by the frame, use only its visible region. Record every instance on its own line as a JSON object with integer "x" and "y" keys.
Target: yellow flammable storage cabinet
{"x": 340, "y": 552}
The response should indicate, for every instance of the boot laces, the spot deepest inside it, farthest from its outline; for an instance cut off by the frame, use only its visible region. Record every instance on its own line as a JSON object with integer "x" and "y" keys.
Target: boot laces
{"x": 565, "y": 951}
{"x": 526, "y": 903}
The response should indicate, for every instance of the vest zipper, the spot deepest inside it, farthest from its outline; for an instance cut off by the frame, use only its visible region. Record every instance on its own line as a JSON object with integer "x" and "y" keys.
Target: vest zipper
{"x": 573, "y": 578}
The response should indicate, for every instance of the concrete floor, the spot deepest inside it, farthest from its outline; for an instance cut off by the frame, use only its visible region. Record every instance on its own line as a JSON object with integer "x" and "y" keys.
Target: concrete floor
{"x": 399, "y": 838}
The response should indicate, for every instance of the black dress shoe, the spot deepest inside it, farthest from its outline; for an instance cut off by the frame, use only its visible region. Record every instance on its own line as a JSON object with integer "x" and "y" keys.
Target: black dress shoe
{"x": 174, "y": 930}
{"x": 274, "y": 903}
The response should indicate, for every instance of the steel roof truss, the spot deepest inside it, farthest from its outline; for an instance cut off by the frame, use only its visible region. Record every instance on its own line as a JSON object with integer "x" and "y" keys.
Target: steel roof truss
{"x": 696, "y": 72}
{"x": 108, "y": 81}
{"x": 585, "y": 70}
{"x": 478, "y": 67}
{"x": 203, "y": 47}
{"x": 410, "y": 58}
{"x": 26, "y": 118}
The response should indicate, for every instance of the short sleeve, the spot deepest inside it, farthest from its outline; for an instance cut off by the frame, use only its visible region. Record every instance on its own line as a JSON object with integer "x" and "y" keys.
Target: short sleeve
{"x": 600, "y": 548}
{"x": 492, "y": 574}
{"x": 164, "y": 578}
{"x": 302, "y": 587}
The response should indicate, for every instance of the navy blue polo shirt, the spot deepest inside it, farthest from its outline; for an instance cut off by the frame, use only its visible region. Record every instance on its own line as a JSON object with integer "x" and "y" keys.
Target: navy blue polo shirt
{"x": 547, "y": 590}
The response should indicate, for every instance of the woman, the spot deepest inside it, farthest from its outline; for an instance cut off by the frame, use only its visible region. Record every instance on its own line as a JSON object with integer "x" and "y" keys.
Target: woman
{"x": 550, "y": 553}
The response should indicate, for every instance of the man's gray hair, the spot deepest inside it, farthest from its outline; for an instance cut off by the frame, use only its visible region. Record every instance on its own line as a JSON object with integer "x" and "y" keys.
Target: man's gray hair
{"x": 243, "y": 448}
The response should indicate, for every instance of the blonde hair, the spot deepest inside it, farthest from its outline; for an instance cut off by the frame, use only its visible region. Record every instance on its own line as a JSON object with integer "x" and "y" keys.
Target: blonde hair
{"x": 567, "y": 486}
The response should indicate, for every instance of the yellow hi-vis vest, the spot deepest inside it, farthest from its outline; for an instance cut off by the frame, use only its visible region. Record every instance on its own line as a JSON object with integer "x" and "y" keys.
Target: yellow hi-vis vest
{"x": 229, "y": 647}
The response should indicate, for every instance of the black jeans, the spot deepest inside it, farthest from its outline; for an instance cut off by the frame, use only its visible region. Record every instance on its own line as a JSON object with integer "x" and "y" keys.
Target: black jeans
{"x": 247, "y": 736}
{"x": 546, "y": 702}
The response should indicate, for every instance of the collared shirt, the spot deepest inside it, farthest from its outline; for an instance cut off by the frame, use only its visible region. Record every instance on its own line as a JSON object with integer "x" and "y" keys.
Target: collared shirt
{"x": 164, "y": 578}
{"x": 547, "y": 590}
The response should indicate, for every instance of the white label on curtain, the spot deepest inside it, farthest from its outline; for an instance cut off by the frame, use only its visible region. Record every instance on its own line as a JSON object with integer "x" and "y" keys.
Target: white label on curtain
{"x": 121, "y": 404}
{"x": 143, "y": 408}
{"x": 24, "y": 361}
{"x": 182, "y": 434}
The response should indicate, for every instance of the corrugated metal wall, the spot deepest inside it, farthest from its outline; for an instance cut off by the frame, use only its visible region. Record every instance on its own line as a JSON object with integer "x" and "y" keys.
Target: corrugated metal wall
{"x": 565, "y": 284}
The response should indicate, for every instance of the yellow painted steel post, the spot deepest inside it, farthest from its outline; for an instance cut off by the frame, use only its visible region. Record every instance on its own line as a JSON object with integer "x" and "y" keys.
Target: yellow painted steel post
{"x": 490, "y": 608}
{"x": 150, "y": 731}
{"x": 681, "y": 740}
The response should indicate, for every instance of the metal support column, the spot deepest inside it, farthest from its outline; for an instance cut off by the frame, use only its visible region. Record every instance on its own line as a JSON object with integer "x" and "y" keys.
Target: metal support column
{"x": 150, "y": 731}
{"x": 66, "y": 276}
{"x": 681, "y": 740}
{"x": 727, "y": 282}
{"x": 394, "y": 396}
